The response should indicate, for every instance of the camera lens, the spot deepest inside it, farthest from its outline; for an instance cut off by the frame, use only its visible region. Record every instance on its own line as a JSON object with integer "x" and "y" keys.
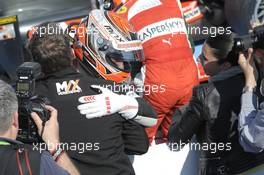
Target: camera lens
{"x": 239, "y": 45}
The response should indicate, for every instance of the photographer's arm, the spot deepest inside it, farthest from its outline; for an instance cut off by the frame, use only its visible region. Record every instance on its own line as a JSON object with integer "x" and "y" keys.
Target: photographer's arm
{"x": 51, "y": 137}
{"x": 249, "y": 68}
{"x": 251, "y": 124}
{"x": 251, "y": 121}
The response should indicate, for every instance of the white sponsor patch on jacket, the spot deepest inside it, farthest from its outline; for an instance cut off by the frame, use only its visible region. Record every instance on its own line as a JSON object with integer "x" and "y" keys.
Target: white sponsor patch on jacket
{"x": 70, "y": 87}
{"x": 142, "y": 5}
{"x": 165, "y": 27}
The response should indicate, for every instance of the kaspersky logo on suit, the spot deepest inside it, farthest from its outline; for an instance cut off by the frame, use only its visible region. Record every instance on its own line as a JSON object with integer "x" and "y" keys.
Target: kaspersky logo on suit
{"x": 68, "y": 87}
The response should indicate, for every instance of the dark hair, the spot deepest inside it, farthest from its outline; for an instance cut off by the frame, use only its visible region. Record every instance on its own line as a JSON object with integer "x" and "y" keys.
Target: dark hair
{"x": 51, "y": 48}
{"x": 222, "y": 48}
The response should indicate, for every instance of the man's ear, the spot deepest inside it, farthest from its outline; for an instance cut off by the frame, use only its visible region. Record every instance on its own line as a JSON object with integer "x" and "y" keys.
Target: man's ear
{"x": 15, "y": 120}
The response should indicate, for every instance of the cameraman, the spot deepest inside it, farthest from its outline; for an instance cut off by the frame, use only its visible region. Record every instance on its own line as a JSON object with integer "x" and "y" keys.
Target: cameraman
{"x": 106, "y": 141}
{"x": 17, "y": 158}
{"x": 212, "y": 113}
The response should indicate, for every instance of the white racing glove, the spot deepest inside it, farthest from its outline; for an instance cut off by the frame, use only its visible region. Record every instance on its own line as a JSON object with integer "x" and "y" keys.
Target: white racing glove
{"x": 108, "y": 103}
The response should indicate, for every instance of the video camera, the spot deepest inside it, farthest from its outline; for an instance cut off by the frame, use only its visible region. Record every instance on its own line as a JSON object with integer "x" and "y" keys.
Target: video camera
{"x": 253, "y": 40}
{"x": 27, "y": 73}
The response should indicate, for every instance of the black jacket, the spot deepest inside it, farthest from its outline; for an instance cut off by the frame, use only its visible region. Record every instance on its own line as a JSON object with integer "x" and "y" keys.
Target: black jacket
{"x": 17, "y": 157}
{"x": 106, "y": 140}
{"x": 212, "y": 115}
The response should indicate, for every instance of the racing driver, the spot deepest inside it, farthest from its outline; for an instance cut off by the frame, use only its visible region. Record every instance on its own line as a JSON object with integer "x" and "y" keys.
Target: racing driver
{"x": 169, "y": 62}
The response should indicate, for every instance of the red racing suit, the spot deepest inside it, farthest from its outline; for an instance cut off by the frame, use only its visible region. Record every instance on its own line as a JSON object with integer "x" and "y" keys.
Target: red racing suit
{"x": 169, "y": 70}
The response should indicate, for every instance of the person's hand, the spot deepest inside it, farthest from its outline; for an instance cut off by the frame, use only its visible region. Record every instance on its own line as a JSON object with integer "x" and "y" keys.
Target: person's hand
{"x": 51, "y": 129}
{"x": 249, "y": 68}
{"x": 107, "y": 103}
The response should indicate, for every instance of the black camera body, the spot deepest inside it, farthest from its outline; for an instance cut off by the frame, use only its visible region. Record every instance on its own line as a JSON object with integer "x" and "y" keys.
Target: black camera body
{"x": 27, "y": 74}
{"x": 253, "y": 40}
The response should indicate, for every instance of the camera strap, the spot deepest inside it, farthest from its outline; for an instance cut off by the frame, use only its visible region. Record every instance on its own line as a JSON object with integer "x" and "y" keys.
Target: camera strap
{"x": 23, "y": 162}
{"x": 43, "y": 127}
